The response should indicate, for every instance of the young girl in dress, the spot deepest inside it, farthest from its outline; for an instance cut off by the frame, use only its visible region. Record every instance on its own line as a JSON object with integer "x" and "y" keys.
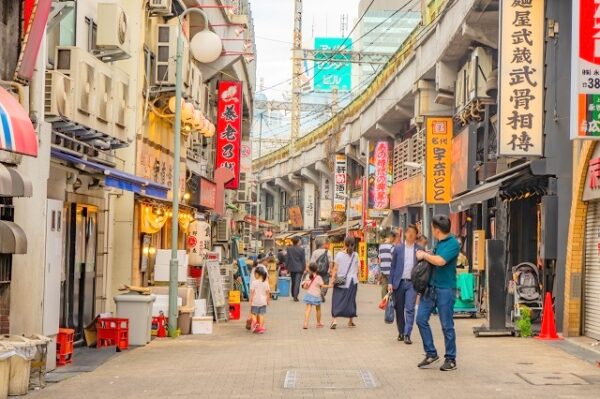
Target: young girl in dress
{"x": 312, "y": 297}
{"x": 260, "y": 296}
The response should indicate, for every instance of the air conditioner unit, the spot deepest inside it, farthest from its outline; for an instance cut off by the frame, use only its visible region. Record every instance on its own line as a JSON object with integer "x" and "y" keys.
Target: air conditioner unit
{"x": 166, "y": 52}
{"x": 120, "y": 102}
{"x": 58, "y": 97}
{"x": 205, "y": 99}
{"x": 80, "y": 66}
{"x": 160, "y": 7}
{"x": 195, "y": 82}
{"x": 103, "y": 88}
{"x": 462, "y": 87}
{"x": 112, "y": 37}
{"x": 482, "y": 65}
{"x": 242, "y": 196}
{"x": 223, "y": 231}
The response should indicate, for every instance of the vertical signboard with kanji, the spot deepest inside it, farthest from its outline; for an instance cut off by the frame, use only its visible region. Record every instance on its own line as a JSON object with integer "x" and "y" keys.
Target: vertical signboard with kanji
{"x": 339, "y": 195}
{"x": 309, "y": 206}
{"x": 585, "y": 84}
{"x": 229, "y": 129}
{"x": 198, "y": 242}
{"x": 380, "y": 177}
{"x": 521, "y": 111}
{"x": 439, "y": 160}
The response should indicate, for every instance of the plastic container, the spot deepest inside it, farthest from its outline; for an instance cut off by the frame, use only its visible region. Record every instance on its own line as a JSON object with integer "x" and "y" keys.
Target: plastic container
{"x": 20, "y": 363}
{"x": 234, "y": 297}
{"x": 200, "y": 310}
{"x": 37, "y": 377}
{"x": 202, "y": 325}
{"x": 234, "y": 311}
{"x": 7, "y": 351}
{"x": 138, "y": 309}
{"x": 284, "y": 286}
{"x": 184, "y": 323}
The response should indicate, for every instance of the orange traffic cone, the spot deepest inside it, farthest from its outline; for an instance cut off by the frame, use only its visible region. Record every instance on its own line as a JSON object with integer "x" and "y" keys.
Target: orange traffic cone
{"x": 548, "y": 331}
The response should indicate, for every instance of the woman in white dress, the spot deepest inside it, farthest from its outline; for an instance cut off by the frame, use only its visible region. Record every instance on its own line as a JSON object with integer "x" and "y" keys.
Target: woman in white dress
{"x": 345, "y": 277}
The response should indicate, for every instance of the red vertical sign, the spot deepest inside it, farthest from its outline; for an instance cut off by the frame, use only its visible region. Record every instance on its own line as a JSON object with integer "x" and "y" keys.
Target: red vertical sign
{"x": 229, "y": 129}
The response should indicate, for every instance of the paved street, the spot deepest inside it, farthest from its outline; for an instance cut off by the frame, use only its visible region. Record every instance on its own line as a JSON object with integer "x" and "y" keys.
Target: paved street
{"x": 332, "y": 364}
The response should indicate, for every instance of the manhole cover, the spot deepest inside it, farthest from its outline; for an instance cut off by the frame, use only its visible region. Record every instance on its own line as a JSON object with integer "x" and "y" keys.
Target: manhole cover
{"x": 329, "y": 379}
{"x": 552, "y": 379}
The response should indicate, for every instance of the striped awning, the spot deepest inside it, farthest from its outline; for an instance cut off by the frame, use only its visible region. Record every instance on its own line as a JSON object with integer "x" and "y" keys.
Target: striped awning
{"x": 16, "y": 130}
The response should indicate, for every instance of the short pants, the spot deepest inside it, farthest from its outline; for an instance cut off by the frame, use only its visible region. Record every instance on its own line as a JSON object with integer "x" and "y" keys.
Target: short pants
{"x": 256, "y": 310}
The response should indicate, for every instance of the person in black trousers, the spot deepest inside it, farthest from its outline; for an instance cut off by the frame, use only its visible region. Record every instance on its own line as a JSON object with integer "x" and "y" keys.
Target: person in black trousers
{"x": 295, "y": 263}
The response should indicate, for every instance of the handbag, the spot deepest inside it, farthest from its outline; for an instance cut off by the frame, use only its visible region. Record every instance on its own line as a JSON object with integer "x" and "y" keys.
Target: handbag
{"x": 389, "y": 311}
{"x": 384, "y": 301}
{"x": 339, "y": 281}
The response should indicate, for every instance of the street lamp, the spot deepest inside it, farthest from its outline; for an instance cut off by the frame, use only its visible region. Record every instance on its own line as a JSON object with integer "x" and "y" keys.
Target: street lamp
{"x": 206, "y": 47}
{"x": 424, "y": 221}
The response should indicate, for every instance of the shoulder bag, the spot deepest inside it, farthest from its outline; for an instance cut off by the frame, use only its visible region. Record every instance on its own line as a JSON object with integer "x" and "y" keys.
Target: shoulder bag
{"x": 340, "y": 281}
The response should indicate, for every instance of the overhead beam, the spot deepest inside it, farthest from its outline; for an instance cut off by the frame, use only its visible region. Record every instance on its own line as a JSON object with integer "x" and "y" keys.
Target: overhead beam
{"x": 270, "y": 189}
{"x": 285, "y": 185}
{"x": 311, "y": 175}
{"x": 274, "y": 105}
{"x": 337, "y": 56}
{"x": 379, "y": 126}
{"x": 322, "y": 167}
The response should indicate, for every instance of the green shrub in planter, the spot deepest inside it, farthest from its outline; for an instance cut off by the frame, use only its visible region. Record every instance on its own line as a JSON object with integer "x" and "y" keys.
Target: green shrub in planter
{"x": 524, "y": 322}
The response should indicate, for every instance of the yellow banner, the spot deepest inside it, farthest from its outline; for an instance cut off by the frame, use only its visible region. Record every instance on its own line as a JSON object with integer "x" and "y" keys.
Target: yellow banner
{"x": 438, "y": 166}
{"x": 363, "y": 274}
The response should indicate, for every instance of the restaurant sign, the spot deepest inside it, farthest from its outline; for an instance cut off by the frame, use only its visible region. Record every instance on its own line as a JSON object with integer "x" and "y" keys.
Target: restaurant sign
{"x": 380, "y": 174}
{"x": 521, "y": 78}
{"x": 585, "y": 76}
{"x": 229, "y": 129}
{"x": 591, "y": 190}
{"x": 339, "y": 198}
{"x": 438, "y": 165}
{"x": 407, "y": 192}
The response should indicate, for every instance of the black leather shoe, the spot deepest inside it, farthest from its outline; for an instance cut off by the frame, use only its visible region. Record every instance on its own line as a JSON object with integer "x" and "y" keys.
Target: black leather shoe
{"x": 407, "y": 340}
{"x": 401, "y": 337}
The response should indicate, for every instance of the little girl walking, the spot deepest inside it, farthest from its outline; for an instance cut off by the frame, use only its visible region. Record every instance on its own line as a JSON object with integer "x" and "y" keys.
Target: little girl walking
{"x": 260, "y": 296}
{"x": 312, "y": 297}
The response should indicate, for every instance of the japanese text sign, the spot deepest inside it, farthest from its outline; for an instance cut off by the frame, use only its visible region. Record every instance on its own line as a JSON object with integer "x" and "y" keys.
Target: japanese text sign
{"x": 309, "y": 206}
{"x": 229, "y": 129}
{"x": 208, "y": 193}
{"x": 198, "y": 242}
{"x": 439, "y": 160}
{"x": 339, "y": 199}
{"x": 332, "y": 70}
{"x": 585, "y": 84}
{"x": 380, "y": 175}
{"x": 521, "y": 78}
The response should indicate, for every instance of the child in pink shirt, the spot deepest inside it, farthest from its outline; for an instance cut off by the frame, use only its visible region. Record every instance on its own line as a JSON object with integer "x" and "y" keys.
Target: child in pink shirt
{"x": 312, "y": 297}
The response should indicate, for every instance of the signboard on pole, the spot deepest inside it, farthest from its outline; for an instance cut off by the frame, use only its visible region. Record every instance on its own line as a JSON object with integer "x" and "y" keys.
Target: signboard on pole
{"x": 380, "y": 174}
{"x": 585, "y": 70}
{"x": 521, "y": 75}
{"x": 438, "y": 166}
{"x": 229, "y": 129}
{"x": 309, "y": 206}
{"x": 198, "y": 242}
{"x": 332, "y": 69}
{"x": 339, "y": 199}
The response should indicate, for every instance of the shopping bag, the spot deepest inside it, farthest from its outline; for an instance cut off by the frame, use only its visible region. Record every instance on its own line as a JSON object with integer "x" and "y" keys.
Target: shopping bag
{"x": 384, "y": 301}
{"x": 389, "y": 311}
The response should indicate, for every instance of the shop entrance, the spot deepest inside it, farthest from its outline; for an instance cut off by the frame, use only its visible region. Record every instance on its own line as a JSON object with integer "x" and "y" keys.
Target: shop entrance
{"x": 591, "y": 313}
{"x": 79, "y": 289}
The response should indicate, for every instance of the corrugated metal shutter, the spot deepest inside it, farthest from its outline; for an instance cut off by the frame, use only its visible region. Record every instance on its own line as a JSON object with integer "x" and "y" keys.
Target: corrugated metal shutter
{"x": 592, "y": 272}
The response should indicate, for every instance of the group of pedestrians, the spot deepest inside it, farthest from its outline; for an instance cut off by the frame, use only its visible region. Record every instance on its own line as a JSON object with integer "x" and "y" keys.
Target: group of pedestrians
{"x": 397, "y": 263}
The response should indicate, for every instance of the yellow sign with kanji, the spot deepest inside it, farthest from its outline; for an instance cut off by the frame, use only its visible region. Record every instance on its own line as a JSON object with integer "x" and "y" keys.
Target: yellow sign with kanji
{"x": 438, "y": 165}
{"x": 363, "y": 274}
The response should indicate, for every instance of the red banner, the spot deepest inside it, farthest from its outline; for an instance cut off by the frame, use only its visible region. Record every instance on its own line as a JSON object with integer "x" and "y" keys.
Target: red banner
{"x": 229, "y": 129}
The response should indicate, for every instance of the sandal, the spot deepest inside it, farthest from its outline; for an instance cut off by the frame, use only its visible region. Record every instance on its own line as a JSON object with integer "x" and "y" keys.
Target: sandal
{"x": 305, "y": 327}
{"x": 333, "y": 326}
{"x": 351, "y": 324}
{"x": 320, "y": 325}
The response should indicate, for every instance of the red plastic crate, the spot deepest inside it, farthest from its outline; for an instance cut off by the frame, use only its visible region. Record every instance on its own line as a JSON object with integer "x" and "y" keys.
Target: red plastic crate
{"x": 112, "y": 331}
{"x": 64, "y": 346}
{"x": 234, "y": 311}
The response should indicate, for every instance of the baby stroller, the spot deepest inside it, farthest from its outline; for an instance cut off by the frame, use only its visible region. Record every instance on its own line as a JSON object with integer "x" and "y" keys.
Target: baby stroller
{"x": 525, "y": 287}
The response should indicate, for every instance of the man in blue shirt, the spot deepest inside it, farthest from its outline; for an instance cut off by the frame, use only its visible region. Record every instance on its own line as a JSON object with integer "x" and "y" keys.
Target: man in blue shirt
{"x": 440, "y": 294}
{"x": 403, "y": 260}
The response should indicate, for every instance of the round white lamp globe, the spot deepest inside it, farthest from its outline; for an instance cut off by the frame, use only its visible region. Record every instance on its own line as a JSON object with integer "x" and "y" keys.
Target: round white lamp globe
{"x": 187, "y": 112}
{"x": 206, "y": 46}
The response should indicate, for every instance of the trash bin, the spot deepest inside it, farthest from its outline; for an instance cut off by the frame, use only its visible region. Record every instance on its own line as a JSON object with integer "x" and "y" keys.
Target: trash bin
{"x": 284, "y": 286}
{"x": 6, "y": 352}
{"x": 20, "y": 363}
{"x": 138, "y": 309}
{"x": 37, "y": 377}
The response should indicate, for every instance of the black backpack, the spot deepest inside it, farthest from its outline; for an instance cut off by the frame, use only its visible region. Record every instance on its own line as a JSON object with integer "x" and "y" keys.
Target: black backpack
{"x": 323, "y": 263}
{"x": 420, "y": 276}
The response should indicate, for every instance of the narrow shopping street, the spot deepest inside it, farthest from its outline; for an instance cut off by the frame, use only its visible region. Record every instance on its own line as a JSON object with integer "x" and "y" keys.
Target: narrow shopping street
{"x": 366, "y": 362}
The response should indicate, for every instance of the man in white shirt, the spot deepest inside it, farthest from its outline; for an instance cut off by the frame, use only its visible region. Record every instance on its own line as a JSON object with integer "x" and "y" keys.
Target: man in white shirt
{"x": 404, "y": 258}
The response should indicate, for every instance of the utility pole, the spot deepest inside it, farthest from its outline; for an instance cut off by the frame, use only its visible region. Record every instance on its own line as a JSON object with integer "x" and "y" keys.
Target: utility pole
{"x": 260, "y": 131}
{"x": 296, "y": 75}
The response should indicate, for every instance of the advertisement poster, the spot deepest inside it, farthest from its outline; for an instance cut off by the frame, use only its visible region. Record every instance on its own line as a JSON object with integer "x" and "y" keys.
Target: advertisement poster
{"x": 295, "y": 215}
{"x": 380, "y": 174}
{"x": 373, "y": 262}
{"x": 363, "y": 272}
{"x": 521, "y": 112}
{"x": 355, "y": 206}
{"x": 229, "y": 130}
{"x": 438, "y": 166}
{"x": 585, "y": 75}
{"x": 309, "y": 206}
{"x": 339, "y": 196}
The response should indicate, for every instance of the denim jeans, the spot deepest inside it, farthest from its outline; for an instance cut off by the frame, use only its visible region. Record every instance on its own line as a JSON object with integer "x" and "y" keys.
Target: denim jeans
{"x": 405, "y": 298}
{"x": 443, "y": 299}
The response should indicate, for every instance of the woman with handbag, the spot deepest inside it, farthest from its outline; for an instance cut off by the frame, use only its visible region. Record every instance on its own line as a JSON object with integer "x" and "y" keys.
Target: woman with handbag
{"x": 345, "y": 277}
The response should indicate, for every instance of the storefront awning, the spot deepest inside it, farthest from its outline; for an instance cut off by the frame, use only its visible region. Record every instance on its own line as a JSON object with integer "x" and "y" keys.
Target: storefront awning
{"x": 283, "y": 236}
{"x": 12, "y": 238}
{"x": 118, "y": 179}
{"x": 16, "y": 130}
{"x": 261, "y": 223}
{"x": 353, "y": 225}
{"x": 13, "y": 184}
{"x": 482, "y": 193}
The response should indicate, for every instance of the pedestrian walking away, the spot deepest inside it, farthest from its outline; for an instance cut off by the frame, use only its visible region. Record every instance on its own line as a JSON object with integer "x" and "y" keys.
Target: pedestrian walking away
{"x": 404, "y": 258}
{"x": 322, "y": 258}
{"x": 295, "y": 264}
{"x": 345, "y": 284}
{"x": 385, "y": 262}
{"x": 312, "y": 298}
{"x": 440, "y": 294}
{"x": 260, "y": 297}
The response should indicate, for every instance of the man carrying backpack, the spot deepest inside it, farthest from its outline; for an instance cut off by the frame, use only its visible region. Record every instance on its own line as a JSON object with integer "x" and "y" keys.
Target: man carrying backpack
{"x": 322, "y": 258}
{"x": 440, "y": 293}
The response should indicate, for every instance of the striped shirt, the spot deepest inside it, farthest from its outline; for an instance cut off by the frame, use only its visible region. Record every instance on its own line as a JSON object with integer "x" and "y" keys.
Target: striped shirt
{"x": 385, "y": 258}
